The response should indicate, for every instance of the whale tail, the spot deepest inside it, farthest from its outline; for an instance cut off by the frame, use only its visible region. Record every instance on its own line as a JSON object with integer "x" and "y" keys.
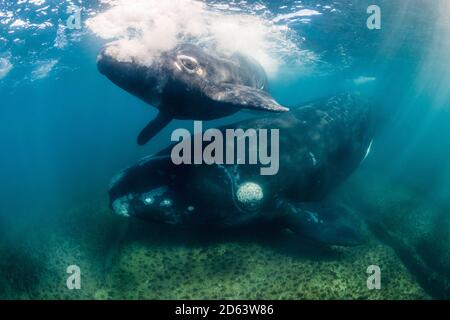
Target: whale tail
{"x": 153, "y": 127}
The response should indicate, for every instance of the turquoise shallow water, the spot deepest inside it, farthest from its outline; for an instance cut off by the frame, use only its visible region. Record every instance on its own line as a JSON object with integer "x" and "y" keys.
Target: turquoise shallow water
{"x": 65, "y": 131}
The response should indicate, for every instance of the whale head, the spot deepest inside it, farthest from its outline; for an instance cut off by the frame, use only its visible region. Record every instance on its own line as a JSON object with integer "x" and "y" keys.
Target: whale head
{"x": 159, "y": 191}
{"x": 189, "y": 82}
{"x": 140, "y": 80}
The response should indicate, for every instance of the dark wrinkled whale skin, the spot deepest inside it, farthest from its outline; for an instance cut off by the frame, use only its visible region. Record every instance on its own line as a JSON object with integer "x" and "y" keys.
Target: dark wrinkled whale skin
{"x": 191, "y": 83}
{"x": 321, "y": 145}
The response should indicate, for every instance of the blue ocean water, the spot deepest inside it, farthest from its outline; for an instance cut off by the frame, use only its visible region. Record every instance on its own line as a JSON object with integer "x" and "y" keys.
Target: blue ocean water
{"x": 65, "y": 130}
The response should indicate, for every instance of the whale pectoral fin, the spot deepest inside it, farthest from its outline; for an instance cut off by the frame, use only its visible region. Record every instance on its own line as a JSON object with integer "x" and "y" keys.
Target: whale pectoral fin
{"x": 324, "y": 222}
{"x": 153, "y": 127}
{"x": 245, "y": 98}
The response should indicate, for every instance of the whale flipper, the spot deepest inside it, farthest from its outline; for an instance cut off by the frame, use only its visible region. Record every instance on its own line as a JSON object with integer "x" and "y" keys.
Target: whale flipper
{"x": 153, "y": 127}
{"x": 324, "y": 222}
{"x": 244, "y": 97}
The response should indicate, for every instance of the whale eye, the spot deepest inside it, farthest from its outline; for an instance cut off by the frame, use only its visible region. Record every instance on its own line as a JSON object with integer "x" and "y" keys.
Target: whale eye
{"x": 189, "y": 64}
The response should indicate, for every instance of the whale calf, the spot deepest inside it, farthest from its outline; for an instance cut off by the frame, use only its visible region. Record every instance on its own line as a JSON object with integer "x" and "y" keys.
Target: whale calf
{"x": 190, "y": 83}
{"x": 321, "y": 144}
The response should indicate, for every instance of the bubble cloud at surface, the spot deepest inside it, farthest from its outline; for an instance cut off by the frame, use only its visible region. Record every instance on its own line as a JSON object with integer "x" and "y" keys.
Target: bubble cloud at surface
{"x": 140, "y": 30}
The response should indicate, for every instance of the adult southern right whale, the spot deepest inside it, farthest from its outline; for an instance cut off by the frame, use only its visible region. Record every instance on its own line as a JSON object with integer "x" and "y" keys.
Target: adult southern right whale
{"x": 190, "y": 83}
{"x": 320, "y": 145}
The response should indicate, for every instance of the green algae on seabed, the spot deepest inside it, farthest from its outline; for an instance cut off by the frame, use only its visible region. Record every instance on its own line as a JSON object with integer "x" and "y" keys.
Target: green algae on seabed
{"x": 252, "y": 271}
{"x": 156, "y": 263}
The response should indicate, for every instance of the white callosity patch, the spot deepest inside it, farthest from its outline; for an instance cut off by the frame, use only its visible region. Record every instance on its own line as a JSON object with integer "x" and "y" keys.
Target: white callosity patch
{"x": 249, "y": 196}
{"x": 148, "y": 198}
{"x": 121, "y": 206}
{"x": 140, "y": 30}
{"x": 166, "y": 203}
